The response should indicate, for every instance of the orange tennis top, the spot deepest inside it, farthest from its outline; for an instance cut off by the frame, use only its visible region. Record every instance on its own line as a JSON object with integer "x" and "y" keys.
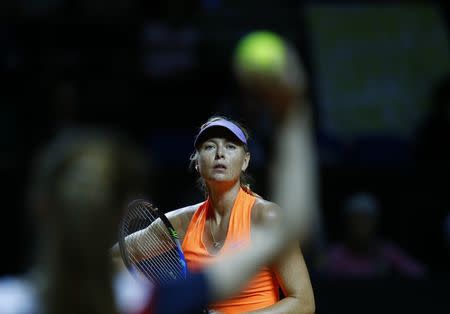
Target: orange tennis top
{"x": 262, "y": 290}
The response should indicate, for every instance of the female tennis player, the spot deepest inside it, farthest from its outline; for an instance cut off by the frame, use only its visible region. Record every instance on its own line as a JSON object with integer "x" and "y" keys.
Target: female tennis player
{"x": 227, "y": 221}
{"x": 79, "y": 185}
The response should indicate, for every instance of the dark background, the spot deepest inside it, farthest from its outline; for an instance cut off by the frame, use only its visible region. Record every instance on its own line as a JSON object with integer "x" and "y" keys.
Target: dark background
{"x": 157, "y": 70}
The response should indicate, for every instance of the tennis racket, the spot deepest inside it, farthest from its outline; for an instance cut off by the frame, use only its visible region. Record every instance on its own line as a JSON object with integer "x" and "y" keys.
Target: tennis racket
{"x": 149, "y": 244}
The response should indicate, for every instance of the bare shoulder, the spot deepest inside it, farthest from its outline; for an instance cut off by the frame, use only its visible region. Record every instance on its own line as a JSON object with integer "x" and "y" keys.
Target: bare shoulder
{"x": 264, "y": 212}
{"x": 181, "y": 217}
{"x": 186, "y": 211}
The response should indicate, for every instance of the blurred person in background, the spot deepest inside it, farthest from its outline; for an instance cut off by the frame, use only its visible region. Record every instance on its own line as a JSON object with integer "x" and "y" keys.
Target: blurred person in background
{"x": 228, "y": 220}
{"x": 363, "y": 253}
{"x": 273, "y": 80}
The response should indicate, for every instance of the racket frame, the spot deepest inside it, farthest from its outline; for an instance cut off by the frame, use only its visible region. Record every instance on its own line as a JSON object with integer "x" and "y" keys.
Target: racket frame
{"x": 171, "y": 230}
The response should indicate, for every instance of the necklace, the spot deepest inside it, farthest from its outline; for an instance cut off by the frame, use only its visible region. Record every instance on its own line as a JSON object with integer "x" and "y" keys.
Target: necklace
{"x": 216, "y": 244}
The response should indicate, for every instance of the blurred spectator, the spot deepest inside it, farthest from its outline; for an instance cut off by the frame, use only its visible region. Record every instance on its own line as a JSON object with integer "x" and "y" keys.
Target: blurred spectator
{"x": 363, "y": 253}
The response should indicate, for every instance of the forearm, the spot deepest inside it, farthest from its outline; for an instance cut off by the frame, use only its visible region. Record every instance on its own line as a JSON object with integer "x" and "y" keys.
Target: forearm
{"x": 293, "y": 171}
{"x": 132, "y": 243}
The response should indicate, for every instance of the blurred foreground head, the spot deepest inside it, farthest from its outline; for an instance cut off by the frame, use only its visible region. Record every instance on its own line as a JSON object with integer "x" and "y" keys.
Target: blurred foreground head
{"x": 84, "y": 175}
{"x": 81, "y": 182}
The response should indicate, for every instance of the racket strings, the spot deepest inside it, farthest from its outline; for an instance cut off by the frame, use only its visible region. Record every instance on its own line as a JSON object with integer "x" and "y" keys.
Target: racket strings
{"x": 168, "y": 243}
{"x": 162, "y": 261}
{"x": 155, "y": 267}
{"x": 167, "y": 246}
{"x": 148, "y": 267}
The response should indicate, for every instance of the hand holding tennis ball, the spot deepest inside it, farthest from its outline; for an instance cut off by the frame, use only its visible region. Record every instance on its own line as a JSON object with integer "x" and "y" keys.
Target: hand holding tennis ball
{"x": 269, "y": 67}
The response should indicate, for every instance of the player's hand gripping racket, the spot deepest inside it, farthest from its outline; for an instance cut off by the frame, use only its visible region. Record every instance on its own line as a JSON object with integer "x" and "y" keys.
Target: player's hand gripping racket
{"x": 149, "y": 244}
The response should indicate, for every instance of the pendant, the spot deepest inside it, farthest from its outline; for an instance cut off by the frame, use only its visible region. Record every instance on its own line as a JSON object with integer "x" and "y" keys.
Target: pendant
{"x": 216, "y": 245}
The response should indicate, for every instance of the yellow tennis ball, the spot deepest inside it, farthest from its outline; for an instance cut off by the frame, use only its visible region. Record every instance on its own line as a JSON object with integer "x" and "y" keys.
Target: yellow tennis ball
{"x": 260, "y": 53}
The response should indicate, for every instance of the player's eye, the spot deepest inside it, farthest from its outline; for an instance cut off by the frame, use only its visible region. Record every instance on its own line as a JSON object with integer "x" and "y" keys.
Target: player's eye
{"x": 208, "y": 146}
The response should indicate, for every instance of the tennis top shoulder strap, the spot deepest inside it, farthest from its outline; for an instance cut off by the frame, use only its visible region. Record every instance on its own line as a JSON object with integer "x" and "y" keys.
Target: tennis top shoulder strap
{"x": 262, "y": 290}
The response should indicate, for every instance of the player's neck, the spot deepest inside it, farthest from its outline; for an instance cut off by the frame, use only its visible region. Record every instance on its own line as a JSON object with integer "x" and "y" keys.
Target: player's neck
{"x": 222, "y": 201}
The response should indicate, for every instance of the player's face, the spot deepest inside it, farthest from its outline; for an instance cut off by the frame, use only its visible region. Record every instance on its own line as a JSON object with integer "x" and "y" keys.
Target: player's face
{"x": 222, "y": 159}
